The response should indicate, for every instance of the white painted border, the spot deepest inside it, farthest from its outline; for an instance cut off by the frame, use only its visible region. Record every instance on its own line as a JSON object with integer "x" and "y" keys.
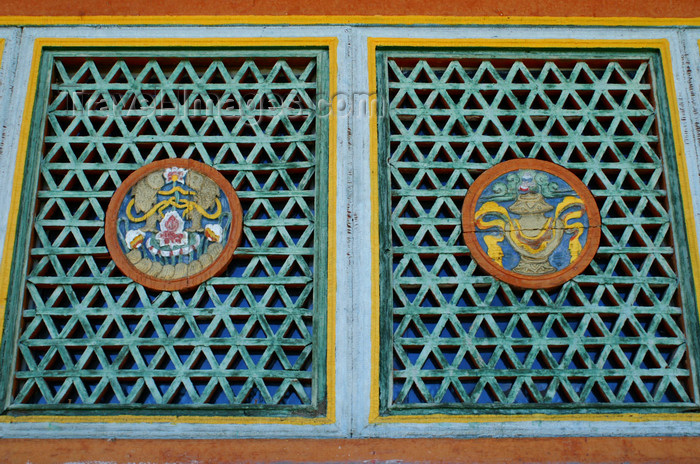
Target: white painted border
{"x": 686, "y": 72}
{"x": 8, "y": 152}
{"x": 353, "y": 212}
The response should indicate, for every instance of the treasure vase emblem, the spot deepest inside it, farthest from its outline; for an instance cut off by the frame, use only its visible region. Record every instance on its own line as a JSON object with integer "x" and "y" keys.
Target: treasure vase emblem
{"x": 531, "y": 223}
{"x": 173, "y": 224}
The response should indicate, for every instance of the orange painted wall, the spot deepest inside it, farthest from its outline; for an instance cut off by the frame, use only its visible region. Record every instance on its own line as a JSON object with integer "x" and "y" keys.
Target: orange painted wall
{"x": 598, "y": 8}
{"x": 512, "y": 451}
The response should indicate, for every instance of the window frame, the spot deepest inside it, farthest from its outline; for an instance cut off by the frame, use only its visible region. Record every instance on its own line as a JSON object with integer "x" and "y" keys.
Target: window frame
{"x": 24, "y": 188}
{"x": 679, "y": 201}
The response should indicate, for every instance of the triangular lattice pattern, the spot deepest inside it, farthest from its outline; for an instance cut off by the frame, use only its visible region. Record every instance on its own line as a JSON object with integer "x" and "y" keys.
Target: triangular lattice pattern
{"x": 462, "y": 339}
{"x": 91, "y": 336}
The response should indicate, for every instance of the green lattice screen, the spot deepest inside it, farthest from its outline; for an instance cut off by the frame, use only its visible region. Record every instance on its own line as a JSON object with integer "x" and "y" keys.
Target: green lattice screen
{"x": 454, "y": 339}
{"x": 250, "y": 341}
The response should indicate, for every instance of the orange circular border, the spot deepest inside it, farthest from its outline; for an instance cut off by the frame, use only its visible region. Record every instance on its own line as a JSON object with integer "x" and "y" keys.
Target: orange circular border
{"x": 188, "y": 282}
{"x": 544, "y": 281}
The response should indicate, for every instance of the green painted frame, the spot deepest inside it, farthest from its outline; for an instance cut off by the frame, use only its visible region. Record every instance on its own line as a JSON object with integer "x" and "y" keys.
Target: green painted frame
{"x": 425, "y": 339}
{"x": 318, "y": 405}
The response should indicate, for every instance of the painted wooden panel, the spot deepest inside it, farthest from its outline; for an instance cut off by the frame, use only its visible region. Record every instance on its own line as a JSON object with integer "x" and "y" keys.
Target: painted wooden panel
{"x": 249, "y": 341}
{"x": 456, "y": 339}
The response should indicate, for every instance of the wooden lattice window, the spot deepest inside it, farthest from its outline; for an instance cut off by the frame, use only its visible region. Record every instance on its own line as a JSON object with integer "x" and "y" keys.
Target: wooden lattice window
{"x": 82, "y": 337}
{"x": 454, "y": 339}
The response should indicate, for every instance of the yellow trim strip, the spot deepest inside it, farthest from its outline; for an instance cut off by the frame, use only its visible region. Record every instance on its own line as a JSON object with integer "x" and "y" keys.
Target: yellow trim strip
{"x": 374, "y": 228}
{"x": 39, "y": 44}
{"x": 208, "y": 20}
{"x": 414, "y": 419}
{"x": 332, "y": 253}
{"x": 660, "y": 44}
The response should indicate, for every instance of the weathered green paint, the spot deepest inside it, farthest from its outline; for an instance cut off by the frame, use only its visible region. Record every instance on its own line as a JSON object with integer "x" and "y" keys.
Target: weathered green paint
{"x": 85, "y": 339}
{"x": 455, "y": 340}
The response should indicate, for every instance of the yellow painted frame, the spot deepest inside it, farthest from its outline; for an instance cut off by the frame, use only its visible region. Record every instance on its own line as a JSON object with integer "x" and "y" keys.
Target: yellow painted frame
{"x": 663, "y": 46}
{"x": 220, "y": 20}
{"x": 39, "y": 45}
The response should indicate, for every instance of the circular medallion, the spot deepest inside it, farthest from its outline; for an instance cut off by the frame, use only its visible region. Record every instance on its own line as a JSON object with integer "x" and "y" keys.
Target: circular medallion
{"x": 173, "y": 224}
{"x": 530, "y": 223}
